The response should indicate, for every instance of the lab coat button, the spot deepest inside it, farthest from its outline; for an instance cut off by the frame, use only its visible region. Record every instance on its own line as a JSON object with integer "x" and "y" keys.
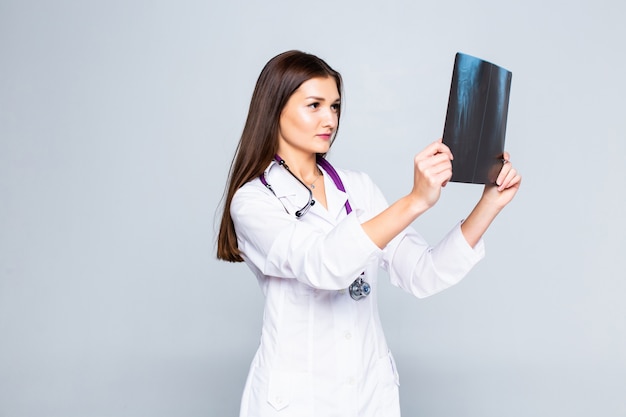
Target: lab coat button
{"x": 348, "y": 335}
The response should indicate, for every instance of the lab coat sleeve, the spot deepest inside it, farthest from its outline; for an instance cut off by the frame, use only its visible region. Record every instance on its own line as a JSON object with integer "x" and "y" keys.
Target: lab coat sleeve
{"x": 423, "y": 270}
{"x": 279, "y": 245}
{"x": 417, "y": 267}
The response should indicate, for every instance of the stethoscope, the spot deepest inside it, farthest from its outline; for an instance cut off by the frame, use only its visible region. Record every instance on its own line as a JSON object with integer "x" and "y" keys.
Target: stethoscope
{"x": 359, "y": 288}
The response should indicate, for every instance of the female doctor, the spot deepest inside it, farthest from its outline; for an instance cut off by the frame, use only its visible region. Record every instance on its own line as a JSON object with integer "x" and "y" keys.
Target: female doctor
{"x": 315, "y": 237}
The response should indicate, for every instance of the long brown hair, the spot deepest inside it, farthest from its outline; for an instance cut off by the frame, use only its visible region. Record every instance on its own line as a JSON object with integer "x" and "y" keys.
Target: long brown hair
{"x": 278, "y": 80}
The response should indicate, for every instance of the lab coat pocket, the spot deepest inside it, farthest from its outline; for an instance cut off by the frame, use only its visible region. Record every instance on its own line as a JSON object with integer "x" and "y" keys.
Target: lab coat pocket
{"x": 280, "y": 390}
{"x": 287, "y": 394}
{"x": 387, "y": 372}
{"x": 388, "y": 383}
{"x": 394, "y": 369}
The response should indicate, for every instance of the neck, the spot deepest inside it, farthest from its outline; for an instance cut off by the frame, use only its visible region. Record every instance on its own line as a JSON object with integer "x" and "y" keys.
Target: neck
{"x": 304, "y": 166}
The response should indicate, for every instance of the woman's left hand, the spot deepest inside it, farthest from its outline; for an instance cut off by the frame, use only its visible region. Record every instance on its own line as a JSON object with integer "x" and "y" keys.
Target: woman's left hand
{"x": 494, "y": 198}
{"x": 507, "y": 184}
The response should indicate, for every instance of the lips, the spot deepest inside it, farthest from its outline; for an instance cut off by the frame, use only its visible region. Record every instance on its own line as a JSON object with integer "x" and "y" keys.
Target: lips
{"x": 325, "y": 136}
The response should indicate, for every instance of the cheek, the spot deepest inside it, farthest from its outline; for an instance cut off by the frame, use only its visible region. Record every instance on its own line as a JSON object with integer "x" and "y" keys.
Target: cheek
{"x": 300, "y": 121}
{"x": 290, "y": 128}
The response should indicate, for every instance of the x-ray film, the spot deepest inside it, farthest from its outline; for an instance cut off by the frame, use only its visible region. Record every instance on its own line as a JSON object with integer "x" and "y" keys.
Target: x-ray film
{"x": 475, "y": 124}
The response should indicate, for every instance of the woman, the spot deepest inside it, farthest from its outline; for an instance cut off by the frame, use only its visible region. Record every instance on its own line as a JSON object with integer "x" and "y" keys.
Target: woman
{"x": 315, "y": 238}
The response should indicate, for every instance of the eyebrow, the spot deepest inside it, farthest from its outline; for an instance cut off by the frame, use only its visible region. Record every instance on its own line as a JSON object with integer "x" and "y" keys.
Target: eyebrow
{"x": 322, "y": 99}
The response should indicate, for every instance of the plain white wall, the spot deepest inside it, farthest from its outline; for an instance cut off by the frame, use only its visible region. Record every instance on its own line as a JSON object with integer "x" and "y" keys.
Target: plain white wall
{"x": 118, "y": 121}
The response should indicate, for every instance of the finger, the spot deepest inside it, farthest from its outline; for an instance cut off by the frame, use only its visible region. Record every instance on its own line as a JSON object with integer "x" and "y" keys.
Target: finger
{"x": 437, "y": 147}
{"x": 424, "y": 163}
{"x": 508, "y": 177}
{"x": 512, "y": 178}
{"x": 447, "y": 178}
{"x": 506, "y": 168}
{"x": 444, "y": 149}
{"x": 434, "y": 164}
{"x": 440, "y": 173}
{"x": 515, "y": 181}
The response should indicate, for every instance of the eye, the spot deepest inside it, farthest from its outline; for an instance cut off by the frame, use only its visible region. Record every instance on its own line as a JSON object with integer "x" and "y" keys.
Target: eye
{"x": 314, "y": 105}
{"x": 336, "y": 107}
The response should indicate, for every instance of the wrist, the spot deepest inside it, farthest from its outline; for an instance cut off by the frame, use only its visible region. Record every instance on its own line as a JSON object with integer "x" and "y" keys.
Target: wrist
{"x": 488, "y": 205}
{"x": 476, "y": 224}
{"x": 415, "y": 204}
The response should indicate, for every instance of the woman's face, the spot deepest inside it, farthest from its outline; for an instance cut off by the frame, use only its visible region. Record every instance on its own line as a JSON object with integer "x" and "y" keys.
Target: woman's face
{"x": 309, "y": 119}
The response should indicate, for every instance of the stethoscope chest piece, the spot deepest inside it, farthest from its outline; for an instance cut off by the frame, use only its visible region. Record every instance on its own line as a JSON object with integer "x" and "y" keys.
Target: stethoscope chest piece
{"x": 359, "y": 288}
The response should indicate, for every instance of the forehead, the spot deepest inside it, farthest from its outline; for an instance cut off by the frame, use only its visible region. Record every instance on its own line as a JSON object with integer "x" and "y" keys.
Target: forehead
{"x": 325, "y": 88}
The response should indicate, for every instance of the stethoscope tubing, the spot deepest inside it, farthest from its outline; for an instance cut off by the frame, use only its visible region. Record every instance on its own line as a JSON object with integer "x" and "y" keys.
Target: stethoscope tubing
{"x": 359, "y": 289}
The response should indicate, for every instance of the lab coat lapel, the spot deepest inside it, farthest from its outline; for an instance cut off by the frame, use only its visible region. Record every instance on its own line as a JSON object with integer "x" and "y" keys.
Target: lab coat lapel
{"x": 287, "y": 188}
{"x": 335, "y": 198}
{"x": 283, "y": 184}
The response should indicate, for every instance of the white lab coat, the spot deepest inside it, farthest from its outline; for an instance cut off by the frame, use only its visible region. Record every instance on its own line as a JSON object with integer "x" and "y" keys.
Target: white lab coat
{"x": 321, "y": 352}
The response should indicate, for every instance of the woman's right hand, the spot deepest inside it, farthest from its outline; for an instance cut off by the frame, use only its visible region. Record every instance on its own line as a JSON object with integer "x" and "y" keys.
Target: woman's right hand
{"x": 432, "y": 170}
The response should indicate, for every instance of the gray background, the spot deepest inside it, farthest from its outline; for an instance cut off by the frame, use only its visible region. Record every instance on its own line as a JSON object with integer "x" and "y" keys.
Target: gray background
{"x": 118, "y": 121}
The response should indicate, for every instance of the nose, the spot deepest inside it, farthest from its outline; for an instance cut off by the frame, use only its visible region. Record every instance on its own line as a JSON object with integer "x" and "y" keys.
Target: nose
{"x": 329, "y": 118}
